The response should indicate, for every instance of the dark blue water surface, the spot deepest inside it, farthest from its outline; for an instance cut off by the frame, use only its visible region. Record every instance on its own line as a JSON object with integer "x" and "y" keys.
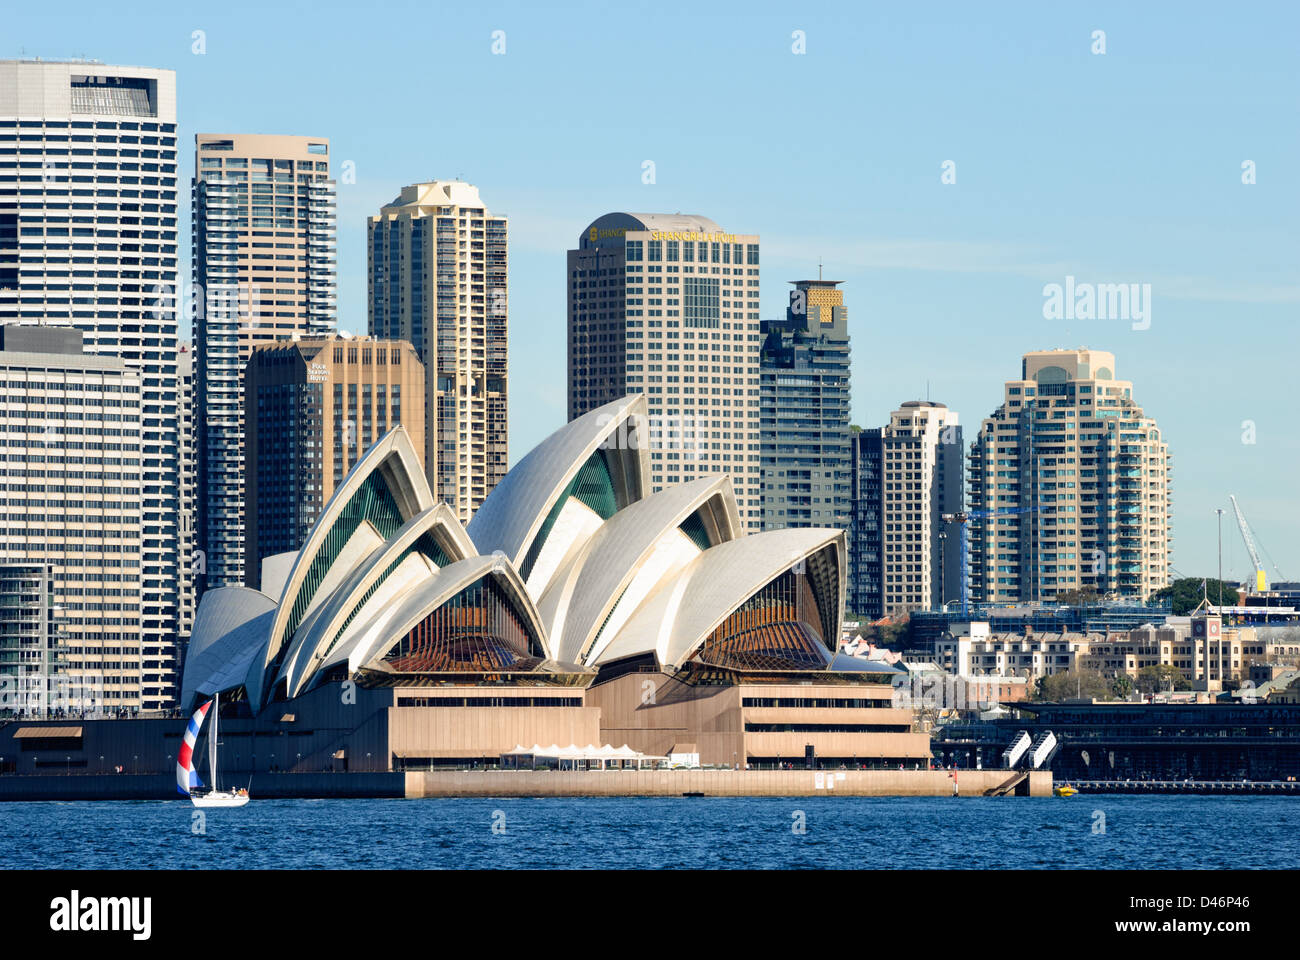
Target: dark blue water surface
{"x": 841, "y": 832}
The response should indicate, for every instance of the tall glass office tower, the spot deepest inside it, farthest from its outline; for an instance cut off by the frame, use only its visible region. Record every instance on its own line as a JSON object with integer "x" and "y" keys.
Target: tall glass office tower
{"x": 804, "y": 411}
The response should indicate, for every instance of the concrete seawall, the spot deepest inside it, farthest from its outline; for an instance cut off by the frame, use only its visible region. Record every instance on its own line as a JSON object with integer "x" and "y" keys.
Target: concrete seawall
{"x": 716, "y": 783}
{"x": 528, "y": 783}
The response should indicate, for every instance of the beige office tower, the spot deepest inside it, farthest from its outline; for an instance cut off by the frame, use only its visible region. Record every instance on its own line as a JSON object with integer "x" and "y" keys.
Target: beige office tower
{"x": 312, "y": 408}
{"x": 438, "y": 274}
{"x": 1077, "y": 478}
{"x": 75, "y": 494}
{"x": 666, "y": 305}
{"x": 264, "y": 266}
{"x": 921, "y": 480}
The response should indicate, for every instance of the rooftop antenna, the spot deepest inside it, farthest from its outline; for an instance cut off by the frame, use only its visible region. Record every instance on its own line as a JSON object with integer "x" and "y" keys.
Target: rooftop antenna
{"x": 819, "y": 268}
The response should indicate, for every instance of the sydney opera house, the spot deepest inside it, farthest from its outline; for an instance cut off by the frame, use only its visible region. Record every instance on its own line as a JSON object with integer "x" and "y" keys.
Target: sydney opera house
{"x": 578, "y": 607}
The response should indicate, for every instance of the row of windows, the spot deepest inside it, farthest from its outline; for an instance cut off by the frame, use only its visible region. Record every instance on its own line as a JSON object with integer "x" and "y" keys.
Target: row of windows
{"x": 89, "y": 125}
{"x": 685, "y": 251}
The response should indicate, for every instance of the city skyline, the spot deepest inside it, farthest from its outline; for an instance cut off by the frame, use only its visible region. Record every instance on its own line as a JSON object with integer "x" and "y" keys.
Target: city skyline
{"x": 915, "y": 252}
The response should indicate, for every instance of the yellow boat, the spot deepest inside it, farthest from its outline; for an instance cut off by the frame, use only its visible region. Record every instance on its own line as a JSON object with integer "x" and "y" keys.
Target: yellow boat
{"x": 1064, "y": 790}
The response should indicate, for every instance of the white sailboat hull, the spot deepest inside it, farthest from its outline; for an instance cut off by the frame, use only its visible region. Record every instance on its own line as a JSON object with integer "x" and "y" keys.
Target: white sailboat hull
{"x": 187, "y": 779}
{"x": 220, "y": 799}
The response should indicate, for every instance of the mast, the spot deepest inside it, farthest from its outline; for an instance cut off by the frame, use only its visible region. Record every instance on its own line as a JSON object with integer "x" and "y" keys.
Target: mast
{"x": 212, "y": 741}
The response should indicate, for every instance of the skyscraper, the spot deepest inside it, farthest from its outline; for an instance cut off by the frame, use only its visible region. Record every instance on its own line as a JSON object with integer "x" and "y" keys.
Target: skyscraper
{"x": 438, "y": 280}
{"x": 666, "y": 305}
{"x": 88, "y": 235}
{"x": 804, "y": 411}
{"x": 185, "y": 410}
{"x": 263, "y": 227}
{"x": 74, "y": 505}
{"x": 312, "y": 408}
{"x": 1079, "y": 477}
{"x": 921, "y": 479}
{"x": 865, "y": 596}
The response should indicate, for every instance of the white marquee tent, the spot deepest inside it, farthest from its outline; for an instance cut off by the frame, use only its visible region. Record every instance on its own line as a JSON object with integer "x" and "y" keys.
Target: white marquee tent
{"x": 574, "y": 757}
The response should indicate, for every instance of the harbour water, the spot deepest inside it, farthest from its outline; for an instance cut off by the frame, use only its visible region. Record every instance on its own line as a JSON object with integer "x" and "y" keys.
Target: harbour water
{"x": 1088, "y": 832}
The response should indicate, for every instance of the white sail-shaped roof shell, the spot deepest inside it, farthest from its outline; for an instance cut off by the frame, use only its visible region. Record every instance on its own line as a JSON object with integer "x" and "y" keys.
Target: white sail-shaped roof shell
{"x": 229, "y": 636}
{"x": 627, "y": 557}
{"x": 372, "y": 640}
{"x": 513, "y": 514}
{"x": 394, "y": 461}
{"x": 686, "y": 609}
{"x": 372, "y": 585}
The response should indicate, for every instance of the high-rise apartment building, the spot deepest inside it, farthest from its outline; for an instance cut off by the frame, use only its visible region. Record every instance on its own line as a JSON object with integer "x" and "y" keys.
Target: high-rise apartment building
{"x": 312, "y": 408}
{"x": 185, "y": 412}
{"x": 804, "y": 410}
{"x": 74, "y": 502}
{"x": 921, "y": 479}
{"x": 264, "y": 234}
{"x": 438, "y": 280}
{"x": 1078, "y": 477}
{"x": 88, "y": 236}
{"x": 666, "y": 305}
{"x": 865, "y": 597}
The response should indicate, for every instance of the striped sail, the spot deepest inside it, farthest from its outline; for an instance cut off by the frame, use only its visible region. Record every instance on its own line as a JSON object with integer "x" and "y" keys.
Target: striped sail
{"x": 186, "y": 777}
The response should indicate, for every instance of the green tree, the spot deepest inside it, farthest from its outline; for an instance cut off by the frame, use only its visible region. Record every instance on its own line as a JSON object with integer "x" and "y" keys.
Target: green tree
{"x": 1076, "y": 598}
{"x": 1088, "y": 684}
{"x": 1187, "y": 593}
{"x": 1160, "y": 677}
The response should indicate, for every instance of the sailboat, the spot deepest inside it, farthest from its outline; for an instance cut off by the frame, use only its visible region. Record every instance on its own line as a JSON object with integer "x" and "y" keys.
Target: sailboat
{"x": 187, "y": 778}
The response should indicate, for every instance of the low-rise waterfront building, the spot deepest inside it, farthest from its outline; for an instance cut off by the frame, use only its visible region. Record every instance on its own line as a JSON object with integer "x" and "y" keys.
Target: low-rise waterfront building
{"x": 1143, "y": 741}
{"x": 976, "y": 651}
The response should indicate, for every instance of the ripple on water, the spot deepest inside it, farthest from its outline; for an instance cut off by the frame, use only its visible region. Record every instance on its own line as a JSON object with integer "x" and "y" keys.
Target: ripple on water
{"x": 713, "y": 832}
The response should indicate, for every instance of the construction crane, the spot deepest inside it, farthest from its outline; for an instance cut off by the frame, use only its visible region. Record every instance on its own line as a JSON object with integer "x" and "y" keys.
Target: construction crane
{"x": 963, "y": 518}
{"x": 1261, "y": 580}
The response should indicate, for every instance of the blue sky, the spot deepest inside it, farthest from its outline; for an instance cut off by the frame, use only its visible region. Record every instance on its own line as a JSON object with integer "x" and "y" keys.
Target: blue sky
{"x": 1122, "y": 167}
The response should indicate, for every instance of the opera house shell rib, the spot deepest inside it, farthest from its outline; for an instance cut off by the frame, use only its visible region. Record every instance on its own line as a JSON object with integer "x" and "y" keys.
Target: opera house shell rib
{"x": 571, "y": 573}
